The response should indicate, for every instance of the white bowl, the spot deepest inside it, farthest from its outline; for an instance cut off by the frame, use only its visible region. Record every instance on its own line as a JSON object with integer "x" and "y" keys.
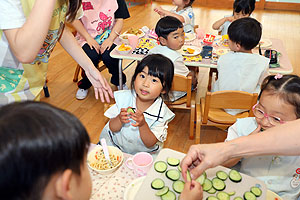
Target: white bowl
{"x": 112, "y": 151}
{"x": 123, "y": 52}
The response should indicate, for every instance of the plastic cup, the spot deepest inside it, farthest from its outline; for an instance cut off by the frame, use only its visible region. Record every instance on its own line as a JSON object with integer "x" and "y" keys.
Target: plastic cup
{"x": 140, "y": 163}
{"x": 133, "y": 40}
{"x": 200, "y": 32}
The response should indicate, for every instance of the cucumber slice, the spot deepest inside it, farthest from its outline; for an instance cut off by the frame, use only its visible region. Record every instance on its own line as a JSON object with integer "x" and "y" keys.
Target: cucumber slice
{"x": 201, "y": 178}
{"x": 231, "y": 193}
{"x": 178, "y": 186}
{"x": 212, "y": 191}
{"x": 218, "y": 184}
{"x": 169, "y": 196}
{"x": 179, "y": 168}
{"x": 235, "y": 176}
{"x": 157, "y": 184}
{"x": 222, "y": 175}
{"x": 173, "y": 174}
{"x": 207, "y": 185}
{"x": 249, "y": 196}
{"x": 173, "y": 161}
{"x": 223, "y": 196}
{"x": 160, "y": 166}
{"x": 188, "y": 176}
{"x": 256, "y": 191}
{"x": 212, "y": 198}
{"x": 238, "y": 198}
{"x": 130, "y": 110}
{"x": 162, "y": 191}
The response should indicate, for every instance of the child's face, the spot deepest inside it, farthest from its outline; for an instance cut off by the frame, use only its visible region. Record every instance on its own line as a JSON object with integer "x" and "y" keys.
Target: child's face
{"x": 274, "y": 107}
{"x": 147, "y": 87}
{"x": 239, "y": 15}
{"x": 175, "y": 39}
{"x": 179, "y": 3}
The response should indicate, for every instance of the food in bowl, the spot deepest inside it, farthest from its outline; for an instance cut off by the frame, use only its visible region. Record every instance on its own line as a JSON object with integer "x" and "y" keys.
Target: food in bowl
{"x": 124, "y": 47}
{"x": 134, "y": 31}
{"x": 98, "y": 162}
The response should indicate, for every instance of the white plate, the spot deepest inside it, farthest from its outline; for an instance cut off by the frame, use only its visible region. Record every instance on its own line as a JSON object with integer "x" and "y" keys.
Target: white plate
{"x": 190, "y": 37}
{"x": 265, "y": 43}
{"x": 132, "y": 188}
{"x": 185, "y": 53}
{"x": 221, "y": 52}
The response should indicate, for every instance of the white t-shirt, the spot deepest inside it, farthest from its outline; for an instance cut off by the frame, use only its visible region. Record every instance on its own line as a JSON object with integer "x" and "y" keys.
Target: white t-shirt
{"x": 189, "y": 18}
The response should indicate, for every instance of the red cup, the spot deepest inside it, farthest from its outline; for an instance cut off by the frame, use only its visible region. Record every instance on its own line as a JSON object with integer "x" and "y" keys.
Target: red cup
{"x": 133, "y": 40}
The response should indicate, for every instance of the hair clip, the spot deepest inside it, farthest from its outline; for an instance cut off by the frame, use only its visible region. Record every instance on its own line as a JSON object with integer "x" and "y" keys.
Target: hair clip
{"x": 278, "y": 76}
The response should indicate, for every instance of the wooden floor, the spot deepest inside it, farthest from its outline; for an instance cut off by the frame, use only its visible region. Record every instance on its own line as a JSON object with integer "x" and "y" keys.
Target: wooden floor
{"x": 278, "y": 24}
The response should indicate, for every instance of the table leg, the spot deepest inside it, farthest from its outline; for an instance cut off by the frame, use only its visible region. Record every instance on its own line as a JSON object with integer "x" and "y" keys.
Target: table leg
{"x": 120, "y": 75}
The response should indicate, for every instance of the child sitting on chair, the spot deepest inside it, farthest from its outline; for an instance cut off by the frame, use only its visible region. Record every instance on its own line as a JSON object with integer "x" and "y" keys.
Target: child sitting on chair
{"x": 42, "y": 153}
{"x": 183, "y": 11}
{"x": 171, "y": 37}
{"x": 240, "y": 69}
{"x": 279, "y": 102}
{"x": 139, "y": 119}
{"x": 241, "y": 9}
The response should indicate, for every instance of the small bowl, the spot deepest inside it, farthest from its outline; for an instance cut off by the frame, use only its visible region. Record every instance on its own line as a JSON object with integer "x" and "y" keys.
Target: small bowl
{"x": 123, "y": 52}
{"x": 112, "y": 151}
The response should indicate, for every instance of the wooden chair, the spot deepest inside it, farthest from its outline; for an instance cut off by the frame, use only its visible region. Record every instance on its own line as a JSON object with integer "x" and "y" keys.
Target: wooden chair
{"x": 210, "y": 111}
{"x": 182, "y": 83}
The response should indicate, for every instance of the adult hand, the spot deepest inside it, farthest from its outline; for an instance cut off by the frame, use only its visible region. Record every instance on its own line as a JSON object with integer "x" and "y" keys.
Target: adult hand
{"x": 201, "y": 157}
{"x": 101, "y": 87}
{"x": 106, "y": 45}
{"x": 93, "y": 44}
{"x": 192, "y": 191}
{"x": 139, "y": 118}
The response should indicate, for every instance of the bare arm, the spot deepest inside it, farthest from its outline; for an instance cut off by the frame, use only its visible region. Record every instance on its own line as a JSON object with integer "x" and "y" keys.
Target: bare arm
{"x": 100, "y": 84}
{"x": 162, "y": 12}
{"x": 220, "y": 22}
{"x": 115, "y": 124}
{"x": 33, "y": 33}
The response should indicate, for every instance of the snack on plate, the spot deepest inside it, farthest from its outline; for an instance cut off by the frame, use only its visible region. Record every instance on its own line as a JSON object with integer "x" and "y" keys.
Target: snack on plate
{"x": 134, "y": 31}
{"x": 123, "y": 47}
{"x": 190, "y": 51}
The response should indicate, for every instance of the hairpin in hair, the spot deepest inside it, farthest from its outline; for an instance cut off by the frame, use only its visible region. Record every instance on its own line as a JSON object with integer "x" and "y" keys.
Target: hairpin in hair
{"x": 278, "y": 76}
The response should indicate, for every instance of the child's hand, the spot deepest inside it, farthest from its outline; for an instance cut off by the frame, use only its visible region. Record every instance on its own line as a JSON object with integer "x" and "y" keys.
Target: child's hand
{"x": 93, "y": 44}
{"x": 138, "y": 117}
{"x": 124, "y": 116}
{"x": 192, "y": 191}
{"x": 106, "y": 45}
{"x": 257, "y": 130}
{"x": 230, "y": 19}
{"x": 160, "y": 11}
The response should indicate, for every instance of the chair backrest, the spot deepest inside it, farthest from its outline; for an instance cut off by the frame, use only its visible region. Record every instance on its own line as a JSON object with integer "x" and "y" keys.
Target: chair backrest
{"x": 230, "y": 99}
{"x": 184, "y": 84}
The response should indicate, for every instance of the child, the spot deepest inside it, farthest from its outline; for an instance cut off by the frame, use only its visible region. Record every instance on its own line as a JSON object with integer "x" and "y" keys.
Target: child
{"x": 139, "y": 119}
{"x": 279, "y": 102}
{"x": 171, "y": 37}
{"x": 42, "y": 153}
{"x": 100, "y": 17}
{"x": 240, "y": 69}
{"x": 183, "y": 11}
{"x": 29, "y": 31}
{"x": 241, "y": 9}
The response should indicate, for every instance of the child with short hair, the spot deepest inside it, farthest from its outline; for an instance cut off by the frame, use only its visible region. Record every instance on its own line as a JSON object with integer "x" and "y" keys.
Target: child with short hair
{"x": 183, "y": 11}
{"x": 279, "y": 102}
{"x": 171, "y": 37}
{"x": 240, "y": 69}
{"x": 241, "y": 9}
{"x": 139, "y": 119}
{"x": 42, "y": 153}
{"x": 100, "y": 19}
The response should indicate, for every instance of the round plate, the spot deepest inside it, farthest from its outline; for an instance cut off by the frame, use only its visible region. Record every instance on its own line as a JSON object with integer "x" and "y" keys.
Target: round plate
{"x": 265, "y": 43}
{"x": 189, "y": 37}
{"x": 133, "y": 188}
{"x": 140, "y": 35}
{"x": 185, "y": 53}
{"x": 273, "y": 196}
{"x": 221, "y": 52}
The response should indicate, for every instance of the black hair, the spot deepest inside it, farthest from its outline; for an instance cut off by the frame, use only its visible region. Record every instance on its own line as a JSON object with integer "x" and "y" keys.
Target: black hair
{"x": 158, "y": 66}
{"x": 189, "y": 4}
{"x": 167, "y": 25}
{"x": 246, "y": 32}
{"x": 287, "y": 87}
{"x": 37, "y": 141}
{"x": 244, "y": 6}
{"x": 74, "y": 6}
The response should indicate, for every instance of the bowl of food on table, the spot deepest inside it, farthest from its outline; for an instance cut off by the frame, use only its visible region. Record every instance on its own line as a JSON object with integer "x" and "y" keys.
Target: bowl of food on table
{"x": 123, "y": 49}
{"x": 131, "y": 31}
{"x": 97, "y": 161}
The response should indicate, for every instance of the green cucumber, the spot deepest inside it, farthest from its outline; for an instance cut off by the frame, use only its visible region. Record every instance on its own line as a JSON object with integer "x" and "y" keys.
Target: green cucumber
{"x": 212, "y": 191}
{"x": 130, "y": 110}
{"x": 235, "y": 176}
{"x": 249, "y": 196}
{"x": 173, "y": 162}
{"x": 218, "y": 184}
{"x": 212, "y": 198}
{"x": 222, "y": 175}
{"x": 179, "y": 168}
{"x": 207, "y": 185}
{"x": 169, "y": 196}
{"x": 160, "y": 166}
{"x": 238, "y": 198}
{"x": 162, "y": 191}
{"x": 157, "y": 184}
{"x": 223, "y": 196}
{"x": 178, "y": 186}
{"x": 188, "y": 176}
{"x": 256, "y": 191}
{"x": 201, "y": 178}
{"x": 173, "y": 174}
{"x": 231, "y": 193}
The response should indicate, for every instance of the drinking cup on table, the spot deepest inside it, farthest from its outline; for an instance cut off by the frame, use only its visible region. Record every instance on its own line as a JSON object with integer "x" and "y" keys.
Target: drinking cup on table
{"x": 141, "y": 163}
{"x": 200, "y": 32}
{"x": 133, "y": 40}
